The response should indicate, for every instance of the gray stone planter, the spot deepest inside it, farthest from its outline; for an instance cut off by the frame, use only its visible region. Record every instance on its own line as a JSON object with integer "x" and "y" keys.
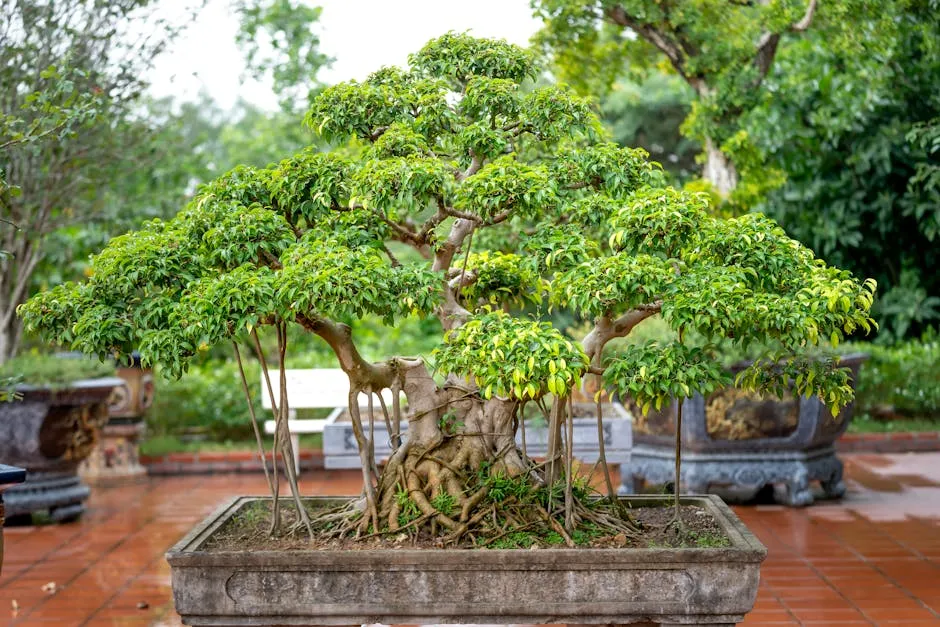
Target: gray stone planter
{"x": 789, "y": 444}
{"x": 49, "y": 432}
{"x": 621, "y": 586}
{"x": 340, "y": 449}
{"x": 9, "y": 476}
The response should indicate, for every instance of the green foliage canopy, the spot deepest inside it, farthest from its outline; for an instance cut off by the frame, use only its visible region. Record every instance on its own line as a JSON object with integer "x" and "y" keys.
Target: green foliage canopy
{"x": 572, "y": 220}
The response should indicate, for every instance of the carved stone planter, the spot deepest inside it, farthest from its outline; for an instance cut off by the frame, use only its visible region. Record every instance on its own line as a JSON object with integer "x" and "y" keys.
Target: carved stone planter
{"x": 9, "y": 476}
{"x": 116, "y": 456}
{"x": 340, "y": 449}
{"x": 49, "y": 432}
{"x": 735, "y": 443}
{"x": 715, "y": 586}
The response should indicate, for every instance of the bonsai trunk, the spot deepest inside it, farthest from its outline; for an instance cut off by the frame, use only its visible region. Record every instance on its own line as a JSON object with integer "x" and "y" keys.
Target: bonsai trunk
{"x": 452, "y": 433}
{"x": 719, "y": 170}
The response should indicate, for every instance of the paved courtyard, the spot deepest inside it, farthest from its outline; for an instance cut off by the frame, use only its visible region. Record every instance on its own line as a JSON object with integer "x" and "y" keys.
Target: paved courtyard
{"x": 874, "y": 558}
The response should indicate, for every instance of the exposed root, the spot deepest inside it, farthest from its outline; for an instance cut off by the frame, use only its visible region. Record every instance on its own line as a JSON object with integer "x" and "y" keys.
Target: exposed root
{"x": 419, "y": 495}
{"x": 459, "y": 479}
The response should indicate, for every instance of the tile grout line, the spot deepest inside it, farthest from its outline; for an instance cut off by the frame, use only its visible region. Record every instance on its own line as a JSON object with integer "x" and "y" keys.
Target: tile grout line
{"x": 79, "y": 532}
{"x": 920, "y": 556}
{"x": 786, "y": 607}
{"x": 126, "y": 585}
{"x": 89, "y": 564}
{"x": 901, "y": 544}
{"x": 872, "y": 564}
{"x": 819, "y": 574}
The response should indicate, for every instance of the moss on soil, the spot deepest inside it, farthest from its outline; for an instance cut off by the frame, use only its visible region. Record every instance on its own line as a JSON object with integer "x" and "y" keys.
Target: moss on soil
{"x": 248, "y": 530}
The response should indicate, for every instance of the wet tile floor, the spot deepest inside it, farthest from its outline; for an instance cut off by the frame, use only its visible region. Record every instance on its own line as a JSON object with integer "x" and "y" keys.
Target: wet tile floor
{"x": 871, "y": 559}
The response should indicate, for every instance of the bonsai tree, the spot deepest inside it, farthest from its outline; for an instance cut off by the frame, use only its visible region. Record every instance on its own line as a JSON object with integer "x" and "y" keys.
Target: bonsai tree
{"x": 464, "y": 192}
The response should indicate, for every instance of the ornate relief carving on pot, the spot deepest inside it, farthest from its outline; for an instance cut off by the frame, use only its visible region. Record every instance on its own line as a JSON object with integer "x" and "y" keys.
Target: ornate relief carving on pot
{"x": 69, "y": 432}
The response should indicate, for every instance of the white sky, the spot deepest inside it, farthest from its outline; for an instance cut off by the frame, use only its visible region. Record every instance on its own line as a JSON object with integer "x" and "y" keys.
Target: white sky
{"x": 362, "y": 36}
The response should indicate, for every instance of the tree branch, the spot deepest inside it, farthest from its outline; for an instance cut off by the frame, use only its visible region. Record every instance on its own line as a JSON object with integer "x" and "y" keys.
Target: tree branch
{"x": 806, "y": 20}
{"x": 605, "y": 329}
{"x": 768, "y": 42}
{"x": 378, "y": 132}
{"x": 391, "y": 257}
{"x": 456, "y": 213}
{"x": 673, "y": 51}
{"x": 445, "y": 254}
{"x": 476, "y": 162}
{"x": 461, "y": 279}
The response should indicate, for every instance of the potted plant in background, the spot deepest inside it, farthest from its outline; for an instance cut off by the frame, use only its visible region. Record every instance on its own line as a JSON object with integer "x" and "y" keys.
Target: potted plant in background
{"x": 473, "y": 196}
{"x": 737, "y": 441}
{"x": 52, "y": 425}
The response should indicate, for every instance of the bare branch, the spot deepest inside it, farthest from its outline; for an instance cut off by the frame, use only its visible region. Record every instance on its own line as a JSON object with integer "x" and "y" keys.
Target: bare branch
{"x": 476, "y": 162}
{"x": 768, "y": 42}
{"x": 391, "y": 257}
{"x": 462, "y": 280}
{"x": 807, "y": 19}
{"x": 502, "y": 216}
{"x": 457, "y": 213}
{"x": 378, "y": 132}
{"x": 673, "y": 51}
{"x": 445, "y": 254}
{"x": 606, "y": 329}
{"x": 431, "y": 224}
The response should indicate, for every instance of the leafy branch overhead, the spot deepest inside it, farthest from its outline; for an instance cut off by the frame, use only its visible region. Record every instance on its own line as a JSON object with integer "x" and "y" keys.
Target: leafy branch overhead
{"x": 512, "y": 202}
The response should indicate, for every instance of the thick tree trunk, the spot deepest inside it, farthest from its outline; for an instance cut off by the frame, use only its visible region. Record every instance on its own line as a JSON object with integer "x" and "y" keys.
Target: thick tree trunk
{"x": 435, "y": 461}
{"x": 719, "y": 171}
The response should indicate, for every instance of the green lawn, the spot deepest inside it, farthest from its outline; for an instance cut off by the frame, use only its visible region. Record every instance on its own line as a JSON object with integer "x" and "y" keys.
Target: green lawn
{"x": 866, "y": 424}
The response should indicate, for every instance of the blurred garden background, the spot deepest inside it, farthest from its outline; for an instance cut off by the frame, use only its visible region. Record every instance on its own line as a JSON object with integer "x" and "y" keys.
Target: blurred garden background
{"x": 113, "y": 113}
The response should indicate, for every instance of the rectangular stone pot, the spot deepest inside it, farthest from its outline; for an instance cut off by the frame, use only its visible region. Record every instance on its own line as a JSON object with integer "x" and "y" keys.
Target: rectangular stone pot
{"x": 613, "y": 586}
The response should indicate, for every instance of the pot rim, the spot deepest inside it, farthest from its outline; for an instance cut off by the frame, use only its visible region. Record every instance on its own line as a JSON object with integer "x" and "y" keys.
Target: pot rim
{"x": 745, "y": 546}
{"x": 78, "y": 384}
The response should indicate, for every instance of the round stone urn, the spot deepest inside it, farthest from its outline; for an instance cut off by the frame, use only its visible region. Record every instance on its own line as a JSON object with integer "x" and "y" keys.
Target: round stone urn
{"x": 736, "y": 443}
{"x": 49, "y": 432}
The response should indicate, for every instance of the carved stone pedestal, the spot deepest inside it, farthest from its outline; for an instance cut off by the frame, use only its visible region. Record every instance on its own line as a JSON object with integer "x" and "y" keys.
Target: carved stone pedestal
{"x": 9, "y": 476}
{"x": 740, "y": 476}
{"x": 736, "y": 443}
{"x": 116, "y": 457}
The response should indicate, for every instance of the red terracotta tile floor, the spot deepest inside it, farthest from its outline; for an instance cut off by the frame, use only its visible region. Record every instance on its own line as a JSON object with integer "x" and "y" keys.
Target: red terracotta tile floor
{"x": 872, "y": 559}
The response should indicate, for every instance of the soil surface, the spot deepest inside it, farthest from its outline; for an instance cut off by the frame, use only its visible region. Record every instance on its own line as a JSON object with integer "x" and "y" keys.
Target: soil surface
{"x": 249, "y": 528}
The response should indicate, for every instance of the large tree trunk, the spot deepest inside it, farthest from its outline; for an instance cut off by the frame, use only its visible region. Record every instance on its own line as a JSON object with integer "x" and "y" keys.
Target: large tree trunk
{"x": 9, "y": 336}
{"x": 719, "y": 170}
{"x": 436, "y": 459}
{"x": 8, "y": 341}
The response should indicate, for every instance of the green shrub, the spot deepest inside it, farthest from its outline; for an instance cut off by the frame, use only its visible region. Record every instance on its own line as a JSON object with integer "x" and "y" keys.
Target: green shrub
{"x": 208, "y": 398}
{"x": 43, "y": 369}
{"x": 901, "y": 379}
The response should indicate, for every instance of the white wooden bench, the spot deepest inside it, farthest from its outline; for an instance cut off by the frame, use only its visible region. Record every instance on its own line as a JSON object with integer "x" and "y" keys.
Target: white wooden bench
{"x": 310, "y": 388}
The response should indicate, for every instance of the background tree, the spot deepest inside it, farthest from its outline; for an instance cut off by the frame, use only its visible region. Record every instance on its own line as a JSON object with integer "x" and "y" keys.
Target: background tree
{"x": 71, "y": 79}
{"x": 859, "y": 140}
{"x": 281, "y": 45}
{"x": 647, "y": 111}
{"x": 116, "y": 157}
{"x": 723, "y": 49}
{"x": 503, "y": 197}
{"x": 841, "y": 134}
